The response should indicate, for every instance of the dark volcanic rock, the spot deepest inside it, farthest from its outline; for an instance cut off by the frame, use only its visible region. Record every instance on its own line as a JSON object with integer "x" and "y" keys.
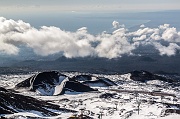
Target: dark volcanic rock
{"x": 77, "y": 87}
{"x": 82, "y": 78}
{"x": 169, "y": 111}
{"x": 41, "y": 79}
{"x": 96, "y": 83}
{"x": 100, "y": 82}
{"x": 93, "y": 81}
{"x": 11, "y": 102}
{"x": 108, "y": 95}
{"x": 144, "y": 76}
{"x": 107, "y": 81}
{"x": 52, "y": 83}
{"x": 80, "y": 117}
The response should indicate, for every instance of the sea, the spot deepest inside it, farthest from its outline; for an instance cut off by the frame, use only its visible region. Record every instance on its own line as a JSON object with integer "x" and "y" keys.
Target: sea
{"x": 97, "y": 22}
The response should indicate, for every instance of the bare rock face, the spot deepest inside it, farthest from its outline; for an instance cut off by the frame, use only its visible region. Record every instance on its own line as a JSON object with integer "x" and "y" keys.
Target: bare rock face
{"x": 41, "y": 79}
{"x": 108, "y": 95}
{"x": 82, "y": 78}
{"x": 11, "y": 102}
{"x": 144, "y": 76}
{"x": 52, "y": 83}
{"x": 168, "y": 111}
{"x": 93, "y": 81}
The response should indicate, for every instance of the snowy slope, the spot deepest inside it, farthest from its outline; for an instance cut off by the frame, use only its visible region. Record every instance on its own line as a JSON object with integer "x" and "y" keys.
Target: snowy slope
{"x": 130, "y": 99}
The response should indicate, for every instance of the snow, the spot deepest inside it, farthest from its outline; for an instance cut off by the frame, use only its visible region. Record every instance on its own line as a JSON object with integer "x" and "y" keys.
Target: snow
{"x": 53, "y": 89}
{"x": 127, "y": 103}
{"x": 58, "y": 88}
{"x": 173, "y": 116}
{"x": 48, "y": 91}
{"x": 23, "y": 115}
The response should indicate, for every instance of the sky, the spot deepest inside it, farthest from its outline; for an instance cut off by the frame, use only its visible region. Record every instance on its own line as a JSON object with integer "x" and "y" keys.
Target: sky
{"x": 16, "y": 31}
{"x": 86, "y": 5}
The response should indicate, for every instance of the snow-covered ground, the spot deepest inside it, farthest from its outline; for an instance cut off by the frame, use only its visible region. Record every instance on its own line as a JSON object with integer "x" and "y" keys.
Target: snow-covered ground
{"x": 113, "y": 105}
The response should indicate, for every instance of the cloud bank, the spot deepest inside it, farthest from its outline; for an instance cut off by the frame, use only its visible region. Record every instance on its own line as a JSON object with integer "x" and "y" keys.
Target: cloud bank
{"x": 51, "y": 40}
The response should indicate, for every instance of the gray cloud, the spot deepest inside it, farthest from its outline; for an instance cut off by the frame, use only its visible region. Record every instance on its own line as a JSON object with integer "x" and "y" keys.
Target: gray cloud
{"x": 51, "y": 40}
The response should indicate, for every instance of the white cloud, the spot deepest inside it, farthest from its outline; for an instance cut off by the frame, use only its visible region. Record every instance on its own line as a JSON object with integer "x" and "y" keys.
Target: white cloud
{"x": 165, "y": 26}
{"x": 167, "y": 50}
{"x": 116, "y": 25}
{"x": 114, "y": 45}
{"x": 50, "y": 40}
{"x": 11, "y": 25}
{"x": 171, "y": 35}
{"x": 142, "y": 25}
{"x": 143, "y": 37}
{"x": 143, "y": 31}
{"x": 155, "y": 36}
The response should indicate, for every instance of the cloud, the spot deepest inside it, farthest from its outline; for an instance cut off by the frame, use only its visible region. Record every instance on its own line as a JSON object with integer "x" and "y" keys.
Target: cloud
{"x": 171, "y": 35}
{"x": 11, "y": 25}
{"x": 116, "y": 25}
{"x": 114, "y": 45}
{"x": 8, "y": 48}
{"x": 52, "y": 40}
{"x": 143, "y": 31}
{"x": 142, "y": 25}
{"x": 143, "y": 37}
{"x": 167, "y": 50}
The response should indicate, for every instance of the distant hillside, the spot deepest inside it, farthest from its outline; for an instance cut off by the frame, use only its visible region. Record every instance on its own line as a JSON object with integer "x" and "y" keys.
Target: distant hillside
{"x": 153, "y": 63}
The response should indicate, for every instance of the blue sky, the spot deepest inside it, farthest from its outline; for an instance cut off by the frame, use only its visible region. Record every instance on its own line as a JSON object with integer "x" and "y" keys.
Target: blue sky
{"x": 87, "y": 5}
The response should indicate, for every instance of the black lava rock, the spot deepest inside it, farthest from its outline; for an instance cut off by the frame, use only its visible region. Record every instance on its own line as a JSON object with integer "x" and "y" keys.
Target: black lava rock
{"x": 144, "y": 76}
{"x": 11, "y": 102}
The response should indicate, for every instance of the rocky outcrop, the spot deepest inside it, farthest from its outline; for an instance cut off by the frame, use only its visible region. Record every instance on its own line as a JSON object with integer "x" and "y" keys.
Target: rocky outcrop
{"x": 144, "y": 76}
{"x": 53, "y": 83}
{"x": 11, "y": 102}
{"x": 168, "y": 111}
{"x": 41, "y": 79}
{"x": 77, "y": 87}
{"x": 81, "y": 78}
{"x": 108, "y": 95}
{"x": 93, "y": 81}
